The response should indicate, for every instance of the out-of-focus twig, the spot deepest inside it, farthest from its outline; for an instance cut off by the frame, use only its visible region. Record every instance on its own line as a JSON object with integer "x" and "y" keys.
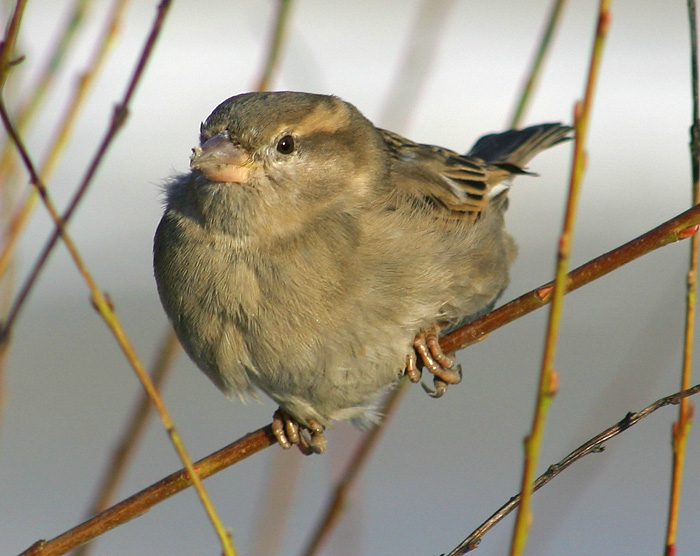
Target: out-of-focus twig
{"x": 416, "y": 64}
{"x": 7, "y": 49}
{"x": 133, "y": 431}
{"x": 534, "y": 73}
{"x": 275, "y": 47}
{"x": 20, "y": 218}
{"x": 594, "y": 445}
{"x": 339, "y": 499}
{"x": 103, "y": 305}
{"x": 38, "y": 92}
{"x": 548, "y": 380}
{"x": 681, "y": 428}
{"x": 680, "y": 227}
{"x": 117, "y": 121}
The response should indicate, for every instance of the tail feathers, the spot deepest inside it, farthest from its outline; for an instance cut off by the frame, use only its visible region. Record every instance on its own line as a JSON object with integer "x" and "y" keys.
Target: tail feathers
{"x": 517, "y": 147}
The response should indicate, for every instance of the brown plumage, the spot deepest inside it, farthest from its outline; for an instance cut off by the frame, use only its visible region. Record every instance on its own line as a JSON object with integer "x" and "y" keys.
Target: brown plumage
{"x": 306, "y": 250}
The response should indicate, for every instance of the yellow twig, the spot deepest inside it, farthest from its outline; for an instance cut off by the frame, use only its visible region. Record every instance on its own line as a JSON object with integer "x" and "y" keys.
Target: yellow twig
{"x": 83, "y": 86}
{"x": 681, "y": 428}
{"x": 133, "y": 431}
{"x": 104, "y": 307}
{"x": 548, "y": 377}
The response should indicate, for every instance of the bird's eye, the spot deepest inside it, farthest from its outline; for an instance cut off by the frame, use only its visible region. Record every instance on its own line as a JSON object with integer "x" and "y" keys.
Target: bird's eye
{"x": 286, "y": 145}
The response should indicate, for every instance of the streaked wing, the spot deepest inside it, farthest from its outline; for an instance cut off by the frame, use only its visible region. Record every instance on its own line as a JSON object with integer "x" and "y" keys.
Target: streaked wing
{"x": 455, "y": 184}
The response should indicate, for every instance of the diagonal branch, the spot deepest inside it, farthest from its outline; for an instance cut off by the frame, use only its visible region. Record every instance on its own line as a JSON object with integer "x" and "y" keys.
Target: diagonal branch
{"x": 594, "y": 445}
{"x": 143, "y": 501}
{"x": 119, "y": 117}
{"x": 680, "y": 227}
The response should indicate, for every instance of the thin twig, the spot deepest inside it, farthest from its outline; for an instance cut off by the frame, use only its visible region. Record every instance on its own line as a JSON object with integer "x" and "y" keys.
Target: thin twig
{"x": 7, "y": 48}
{"x": 119, "y": 117}
{"x": 534, "y": 73}
{"x": 106, "y": 311}
{"x": 144, "y": 500}
{"x": 133, "y": 431}
{"x": 681, "y": 428}
{"x": 680, "y": 227}
{"x": 58, "y": 144}
{"x": 548, "y": 380}
{"x": 594, "y": 445}
{"x": 275, "y": 47}
{"x": 339, "y": 499}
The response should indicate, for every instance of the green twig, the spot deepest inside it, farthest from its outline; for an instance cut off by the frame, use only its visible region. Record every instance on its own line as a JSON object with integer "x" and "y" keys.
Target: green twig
{"x": 534, "y": 73}
{"x": 548, "y": 380}
{"x": 679, "y": 227}
{"x": 275, "y": 47}
{"x": 593, "y": 446}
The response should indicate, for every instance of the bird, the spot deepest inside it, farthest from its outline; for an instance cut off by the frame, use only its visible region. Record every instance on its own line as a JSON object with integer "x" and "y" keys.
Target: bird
{"x": 317, "y": 258}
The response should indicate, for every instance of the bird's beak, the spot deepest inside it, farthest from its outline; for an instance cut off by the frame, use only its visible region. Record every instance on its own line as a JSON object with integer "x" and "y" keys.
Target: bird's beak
{"x": 219, "y": 159}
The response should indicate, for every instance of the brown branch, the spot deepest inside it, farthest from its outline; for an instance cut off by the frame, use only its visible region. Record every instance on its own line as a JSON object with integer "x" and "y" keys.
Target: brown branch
{"x": 143, "y": 501}
{"x": 133, "y": 432}
{"x": 119, "y": 117}
{"x": 680, "y": 227}
{"x": 594, "y": 445}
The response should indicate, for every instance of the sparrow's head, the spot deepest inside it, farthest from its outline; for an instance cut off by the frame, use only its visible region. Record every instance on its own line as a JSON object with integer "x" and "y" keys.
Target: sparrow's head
{"x": 296, "y": 150}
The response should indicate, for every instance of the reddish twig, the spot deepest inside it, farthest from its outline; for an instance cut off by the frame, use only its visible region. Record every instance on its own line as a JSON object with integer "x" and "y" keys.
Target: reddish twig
{"x": 119, "y": 117}
{"x": 143, "y": 501}
{"x": 680, "y": 227}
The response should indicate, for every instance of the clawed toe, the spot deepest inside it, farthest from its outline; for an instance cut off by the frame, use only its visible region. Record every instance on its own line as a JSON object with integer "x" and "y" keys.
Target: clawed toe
{"x": 288, "y": 432}
{"x": 440, "y": 384}
{"x": 442, "y": 366}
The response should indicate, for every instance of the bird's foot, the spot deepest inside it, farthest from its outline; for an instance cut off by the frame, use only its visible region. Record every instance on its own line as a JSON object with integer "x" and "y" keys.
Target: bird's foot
{"x": 308, "y": 438}
{"x": 442, "y": 366}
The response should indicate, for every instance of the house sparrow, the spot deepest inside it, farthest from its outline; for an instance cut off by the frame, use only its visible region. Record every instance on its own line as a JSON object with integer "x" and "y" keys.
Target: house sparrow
{"x": 318, "y": 258}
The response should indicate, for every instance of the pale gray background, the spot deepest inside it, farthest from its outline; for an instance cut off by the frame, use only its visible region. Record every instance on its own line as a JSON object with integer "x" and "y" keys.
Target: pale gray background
{"x": 443, "y": 465}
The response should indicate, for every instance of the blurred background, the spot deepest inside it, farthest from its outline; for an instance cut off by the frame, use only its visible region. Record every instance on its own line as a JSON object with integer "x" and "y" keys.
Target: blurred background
{"x": 442, "y": 72}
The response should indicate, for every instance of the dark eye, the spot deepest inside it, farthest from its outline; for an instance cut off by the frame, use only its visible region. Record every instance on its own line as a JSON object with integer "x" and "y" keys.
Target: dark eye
{"x": 286, "y": 145}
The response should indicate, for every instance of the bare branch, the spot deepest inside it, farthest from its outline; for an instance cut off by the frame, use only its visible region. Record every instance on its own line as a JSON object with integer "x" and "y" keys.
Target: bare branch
{"x": 594, "y": 445}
